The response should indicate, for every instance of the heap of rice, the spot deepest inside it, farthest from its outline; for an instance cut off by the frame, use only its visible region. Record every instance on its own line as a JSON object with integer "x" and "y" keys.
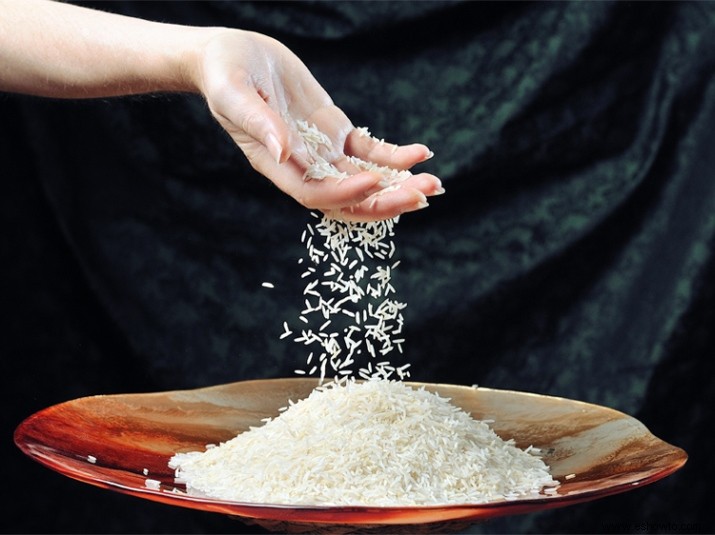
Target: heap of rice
{"x": 377, "y": 443}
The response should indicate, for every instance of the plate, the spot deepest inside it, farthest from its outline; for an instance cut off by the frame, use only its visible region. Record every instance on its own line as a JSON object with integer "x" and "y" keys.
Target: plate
{"x": 118, "y": 442}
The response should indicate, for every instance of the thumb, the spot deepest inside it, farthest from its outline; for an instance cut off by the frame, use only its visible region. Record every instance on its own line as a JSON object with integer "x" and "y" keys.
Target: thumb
{"x": 248, "y": 118}
{"x": 265, "y": 125}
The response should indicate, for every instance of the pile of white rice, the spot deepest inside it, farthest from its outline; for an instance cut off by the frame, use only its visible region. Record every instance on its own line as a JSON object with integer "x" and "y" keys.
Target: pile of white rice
{"x": 376, "y": 443}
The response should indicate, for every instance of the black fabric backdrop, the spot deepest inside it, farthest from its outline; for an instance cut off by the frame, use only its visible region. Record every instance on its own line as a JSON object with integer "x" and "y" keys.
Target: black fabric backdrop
{"x": 572, "y": 254}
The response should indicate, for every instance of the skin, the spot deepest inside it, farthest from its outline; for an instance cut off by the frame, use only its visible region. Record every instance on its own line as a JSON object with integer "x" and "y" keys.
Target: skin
{"x": 250, "y": 83}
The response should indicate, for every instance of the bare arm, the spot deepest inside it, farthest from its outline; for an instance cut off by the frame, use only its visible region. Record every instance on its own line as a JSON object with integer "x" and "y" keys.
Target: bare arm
{"x": 59, "y": 50}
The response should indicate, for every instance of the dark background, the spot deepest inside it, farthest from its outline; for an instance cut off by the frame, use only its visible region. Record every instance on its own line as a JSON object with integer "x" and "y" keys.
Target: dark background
{"x": 572, "y": 254}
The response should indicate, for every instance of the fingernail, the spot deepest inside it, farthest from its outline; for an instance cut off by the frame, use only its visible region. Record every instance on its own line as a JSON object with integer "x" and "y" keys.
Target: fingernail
{"x": 274, "y": 147}
{"x": 422, "y": 203}
{"x": 439, "y": 191}
{"x": 429, "y": 156}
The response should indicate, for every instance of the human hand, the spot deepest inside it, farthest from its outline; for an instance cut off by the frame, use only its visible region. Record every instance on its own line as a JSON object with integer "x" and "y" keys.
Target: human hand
{"x": 256, "y": 88}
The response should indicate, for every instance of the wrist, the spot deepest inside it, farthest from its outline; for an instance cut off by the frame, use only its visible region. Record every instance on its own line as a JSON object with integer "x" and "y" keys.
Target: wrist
{"x": 186, "y": 62}
{"x": 211, "y": 56}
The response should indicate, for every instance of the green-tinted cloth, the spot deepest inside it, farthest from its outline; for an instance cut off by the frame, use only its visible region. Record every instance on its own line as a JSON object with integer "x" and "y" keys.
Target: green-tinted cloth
{"x": 572, "y": 254}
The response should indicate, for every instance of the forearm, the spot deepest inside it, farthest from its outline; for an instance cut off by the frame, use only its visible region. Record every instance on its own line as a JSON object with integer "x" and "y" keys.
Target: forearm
{"x": 64, "y": 51}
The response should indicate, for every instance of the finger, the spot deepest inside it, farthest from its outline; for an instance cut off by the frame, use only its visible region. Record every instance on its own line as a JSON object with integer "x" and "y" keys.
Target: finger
{"x": 366, "y": 147}
{"x": 382, "y": 206}
{"x": 428, "y": 184}
{"x": 344, "y": 165}
{"x": 325, "y": 194}
{"x": 330, "y": 193}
